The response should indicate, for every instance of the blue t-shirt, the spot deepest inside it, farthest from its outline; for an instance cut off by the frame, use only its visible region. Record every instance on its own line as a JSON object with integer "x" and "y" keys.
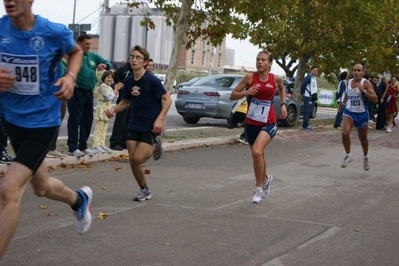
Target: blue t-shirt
{"x": 145, "y": 95}
{"x": 34, "y": 57}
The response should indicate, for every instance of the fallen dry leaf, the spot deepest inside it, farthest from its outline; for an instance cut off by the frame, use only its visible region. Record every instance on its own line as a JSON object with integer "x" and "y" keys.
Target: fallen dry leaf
{"x": 101, "y": 216}
{"x": 52, "y": 214}
{"x": 166, "y": 244}
{"x": 117, "y": 168}
{"x": 104, "y": 188}
{"x": 43, "y": 207}
{"x": 147, "y": 171}
{"x": 94, "y": 182}
{"x": 356, "y": 230}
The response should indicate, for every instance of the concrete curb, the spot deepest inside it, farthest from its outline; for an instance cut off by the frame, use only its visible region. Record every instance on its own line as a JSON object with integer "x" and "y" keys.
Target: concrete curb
{"x": 167, "y": 146}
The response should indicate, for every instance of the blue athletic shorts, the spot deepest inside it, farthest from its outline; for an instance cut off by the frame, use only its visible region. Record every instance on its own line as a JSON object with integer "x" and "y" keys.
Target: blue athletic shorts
{"x": 252, "y": 132}
{"x": 360, "y": 120}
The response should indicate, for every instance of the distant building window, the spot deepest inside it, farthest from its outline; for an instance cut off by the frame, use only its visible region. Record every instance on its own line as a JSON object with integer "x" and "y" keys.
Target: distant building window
{"x": 219, "y": 60}
{"x": 192, "y": 57}
{"x": 203, "y": 58}
{"x": 220, "y": 48}
{"x": 203, "y": 44}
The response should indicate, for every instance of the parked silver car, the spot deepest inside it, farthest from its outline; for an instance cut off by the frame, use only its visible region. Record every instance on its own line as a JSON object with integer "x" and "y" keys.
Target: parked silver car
{"x": 209, "y": 97}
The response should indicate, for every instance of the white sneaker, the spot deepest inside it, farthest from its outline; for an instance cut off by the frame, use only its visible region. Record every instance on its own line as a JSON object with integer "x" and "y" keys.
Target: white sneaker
{"x": 259, "y": 195}
{"x": 83, "y": 215}
{"x": 366, "y": 165}
{"x": 55, "y": 154}
{"x": 76, "y": 153}
{"x": 390, "y": 129}
{"x": 347, "y": 160}
{"x": 106, "y": 149}
{"x": 98, "y": 149}
{"x": 266, "y": 185}
{"x": 90, "y": 152}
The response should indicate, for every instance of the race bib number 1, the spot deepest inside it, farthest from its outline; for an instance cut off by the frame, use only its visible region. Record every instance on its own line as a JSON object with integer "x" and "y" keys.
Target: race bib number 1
{"x": 25, "y": 69}
{"x": 259, "y": 110}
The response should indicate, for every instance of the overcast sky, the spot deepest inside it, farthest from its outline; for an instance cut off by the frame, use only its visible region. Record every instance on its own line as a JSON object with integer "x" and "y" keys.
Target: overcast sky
{"x": 88, "y": 11}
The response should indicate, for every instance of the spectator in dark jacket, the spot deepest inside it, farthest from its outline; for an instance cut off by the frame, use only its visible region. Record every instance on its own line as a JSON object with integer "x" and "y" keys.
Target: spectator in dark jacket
{"x": 381, "y": 116}
{"x": 117, "y": 140}
{"x": 340, "y": 96}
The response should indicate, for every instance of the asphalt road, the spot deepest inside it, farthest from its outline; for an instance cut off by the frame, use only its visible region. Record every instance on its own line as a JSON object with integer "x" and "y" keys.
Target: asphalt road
{"x": 200, "y": 212}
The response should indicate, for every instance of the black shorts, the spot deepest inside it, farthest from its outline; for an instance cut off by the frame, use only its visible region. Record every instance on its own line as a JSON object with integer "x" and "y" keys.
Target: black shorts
{"x": 31, "y": 144}
{"x": 146, "y": 137}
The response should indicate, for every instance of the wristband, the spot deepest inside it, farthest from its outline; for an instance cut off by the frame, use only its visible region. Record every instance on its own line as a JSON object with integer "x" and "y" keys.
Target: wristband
{"x": 73, "y": 76}
{"x": 283, "y": 104}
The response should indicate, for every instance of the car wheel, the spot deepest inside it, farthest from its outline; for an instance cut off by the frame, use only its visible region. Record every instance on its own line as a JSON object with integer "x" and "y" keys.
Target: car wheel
{"x": 191, "y": 120}
{"x": 314, "y": 111}
{"x": 291, "y": 117}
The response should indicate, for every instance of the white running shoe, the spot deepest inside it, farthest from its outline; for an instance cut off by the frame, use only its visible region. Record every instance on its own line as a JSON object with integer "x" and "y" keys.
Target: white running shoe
{"x": 390, "y": 129}
{"x": 98, "y": 149}
{"x": 366, "y": 165}
{"x": 90, "y": 152}
{"x": 266, "y": 185}
{"x": 106, "y": 149}
{"x": 347, "y": 160}
{"x": 76, "y": 153}
{"x": 83, "y": 215}
{"x": 55, "y": 154}
{"x": 259, "y": 195}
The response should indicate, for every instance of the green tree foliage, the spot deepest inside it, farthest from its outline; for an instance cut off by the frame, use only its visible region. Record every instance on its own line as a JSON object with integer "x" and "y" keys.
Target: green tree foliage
{"x": 331, "y": 34}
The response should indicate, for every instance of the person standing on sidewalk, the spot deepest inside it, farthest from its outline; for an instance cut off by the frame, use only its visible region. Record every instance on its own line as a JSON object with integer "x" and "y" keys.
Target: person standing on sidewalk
{"x": 261, "y": 121}
{"x": 106, "y": 95}
{"x": 4, "y": 157}
{"x": 355, "y": 110}
{"x": 80, "y": 106}
{"x": 390, "y": 97}
{"x": 117, "y": 141}
{"x": 32, "y": 89}
{"x": 382, "y": 115}
{"x": 54, "y": 152}
{"x": 145, "y": 93}
{"x": 339, "y": 97}
{"x": 308, "y": 88}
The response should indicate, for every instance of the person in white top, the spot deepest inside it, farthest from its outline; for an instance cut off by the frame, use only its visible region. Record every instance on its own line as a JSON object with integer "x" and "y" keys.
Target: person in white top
{"x": 358, "y": 94}
{"x": 308, "y": 88}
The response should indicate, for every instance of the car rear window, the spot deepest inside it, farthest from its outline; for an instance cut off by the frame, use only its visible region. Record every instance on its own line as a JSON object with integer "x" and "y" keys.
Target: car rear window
{"x": 216, "y": 81}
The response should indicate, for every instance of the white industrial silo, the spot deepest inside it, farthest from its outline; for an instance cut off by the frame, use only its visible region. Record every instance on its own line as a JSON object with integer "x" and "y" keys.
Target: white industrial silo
{"x": 119, "y": 9}
{"x": 155, "y": 39}
{"x": 167, "y": 43}
{"x": 122, "y": 38}
{"x": 106, "y": 40}
{"x": 138, "y": 32}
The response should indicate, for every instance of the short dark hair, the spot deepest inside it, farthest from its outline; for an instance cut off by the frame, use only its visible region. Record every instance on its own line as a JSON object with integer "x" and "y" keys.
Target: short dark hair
{"x": 106, "y": 74}
{"x": 142, "y": 51}
{"x": 83, "y": 37}
{"x": 343, "y": 75}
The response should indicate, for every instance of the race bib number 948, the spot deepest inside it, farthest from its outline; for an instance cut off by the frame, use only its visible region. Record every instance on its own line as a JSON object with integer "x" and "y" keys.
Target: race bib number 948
{"x": 25, "y": 69}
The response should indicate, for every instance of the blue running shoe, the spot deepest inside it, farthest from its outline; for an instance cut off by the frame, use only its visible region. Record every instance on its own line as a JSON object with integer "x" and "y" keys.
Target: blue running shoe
{"x": 83, "y": 215}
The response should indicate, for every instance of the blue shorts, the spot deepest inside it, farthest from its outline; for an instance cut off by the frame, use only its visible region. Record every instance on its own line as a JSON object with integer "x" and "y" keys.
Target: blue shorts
{"x": 360, "y": 120}
{"x": 252, "y": 132}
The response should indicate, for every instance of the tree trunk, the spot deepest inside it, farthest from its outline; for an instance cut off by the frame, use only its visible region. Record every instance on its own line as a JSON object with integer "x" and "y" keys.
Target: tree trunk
{"x": 179, "y": 35}
{"x": 300, "y": 75}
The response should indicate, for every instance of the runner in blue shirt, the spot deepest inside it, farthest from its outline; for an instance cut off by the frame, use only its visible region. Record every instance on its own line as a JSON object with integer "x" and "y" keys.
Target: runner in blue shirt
{"x": 31, "y": 91}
